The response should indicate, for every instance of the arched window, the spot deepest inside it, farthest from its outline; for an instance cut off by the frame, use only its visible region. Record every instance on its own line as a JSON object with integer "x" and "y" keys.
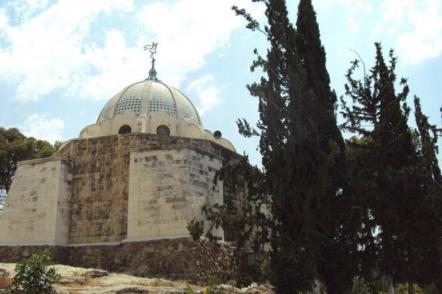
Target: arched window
{"x": 125, "y": 129}
{"x": 163, "y": 131}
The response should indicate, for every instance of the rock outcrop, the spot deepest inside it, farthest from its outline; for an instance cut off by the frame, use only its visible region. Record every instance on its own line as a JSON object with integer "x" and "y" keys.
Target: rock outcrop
{"x": 75, "y": 280}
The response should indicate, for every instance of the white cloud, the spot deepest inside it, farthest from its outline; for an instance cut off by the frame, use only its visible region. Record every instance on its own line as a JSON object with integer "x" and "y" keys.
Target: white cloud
{"x": 189, "y": 30}
{"x": 27, "y": 8}
{"x": 46, "y": 51}
{"x": 43, "y": 127}
{"x": 416, "y": 27}
{"x": 116, "y": 65}
{"x": 3, "y": 20}
{"x": 52, "y": 46}
{"x": 206, "y": 92}
{"x": 355, "y": 10}
{"x": 412, "y": 27}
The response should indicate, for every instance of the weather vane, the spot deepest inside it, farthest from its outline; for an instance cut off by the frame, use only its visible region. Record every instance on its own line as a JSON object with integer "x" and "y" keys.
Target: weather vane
{"x": 152, "y": 48}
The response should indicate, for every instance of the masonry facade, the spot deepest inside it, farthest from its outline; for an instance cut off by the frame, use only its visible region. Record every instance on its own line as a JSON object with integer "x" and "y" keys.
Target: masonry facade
{"x": 113, "y": 189}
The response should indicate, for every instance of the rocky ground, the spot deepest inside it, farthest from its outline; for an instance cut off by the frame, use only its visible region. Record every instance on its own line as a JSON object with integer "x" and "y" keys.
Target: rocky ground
{"x": 76, "y": 280}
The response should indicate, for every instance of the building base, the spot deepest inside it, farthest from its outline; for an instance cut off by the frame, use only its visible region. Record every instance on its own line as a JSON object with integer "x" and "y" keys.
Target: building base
{"x": 183, "y": 259}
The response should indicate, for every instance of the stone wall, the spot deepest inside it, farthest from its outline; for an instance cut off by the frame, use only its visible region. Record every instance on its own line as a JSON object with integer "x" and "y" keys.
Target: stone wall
{"x": 197, "y": 262}
{"x": 100, "y": 181}
{"x": 167, "y": 189}
{"x": 100, "y": 170}
{"x": 37, "y": 209}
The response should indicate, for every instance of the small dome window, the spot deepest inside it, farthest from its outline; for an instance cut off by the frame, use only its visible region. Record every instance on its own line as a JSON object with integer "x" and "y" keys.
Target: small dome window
{"x": 125, "y": 129}
{"x": 163, "y": 131}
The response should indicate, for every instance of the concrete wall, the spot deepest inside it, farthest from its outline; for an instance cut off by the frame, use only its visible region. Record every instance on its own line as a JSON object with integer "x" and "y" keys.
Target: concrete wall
{"x": 167, "y": 189}
{"x": 37, "y": 208}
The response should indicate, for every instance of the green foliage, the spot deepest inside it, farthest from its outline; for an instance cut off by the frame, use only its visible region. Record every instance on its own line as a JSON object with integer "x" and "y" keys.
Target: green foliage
{"x": 430, "y": 289}
{"x": 369, "y": 208}
{"x": 427, "y": 265}
{"x": 427, "y": 145}
{"x": 14, "y": 147}
{"x": 196, "y": 229}
{"x": 394, "y": 178}
{"x": 34, "y": 276}
{"x": 405, "y": 289}
{"x": 244, "y": 217}
{"x": 302, "y": 149}
{"x": 379, "y": 116}
{"x": 57, "y": 145}
{"x": 190, "y": 290}
{"x": 359, "y": 286}
{"x": 205, "y": 291}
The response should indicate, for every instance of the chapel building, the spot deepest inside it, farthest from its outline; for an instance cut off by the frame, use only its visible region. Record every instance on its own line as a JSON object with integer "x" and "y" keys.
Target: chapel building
{"x": 141, "y": 172}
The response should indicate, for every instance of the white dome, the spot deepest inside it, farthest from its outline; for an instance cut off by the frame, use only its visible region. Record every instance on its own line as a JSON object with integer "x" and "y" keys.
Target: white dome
{"x": 151, "y": 107}
{"x": 145, "y": 97}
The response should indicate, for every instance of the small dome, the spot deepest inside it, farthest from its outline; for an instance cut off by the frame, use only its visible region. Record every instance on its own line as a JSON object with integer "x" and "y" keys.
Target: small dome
{"x": 145, "y": 97}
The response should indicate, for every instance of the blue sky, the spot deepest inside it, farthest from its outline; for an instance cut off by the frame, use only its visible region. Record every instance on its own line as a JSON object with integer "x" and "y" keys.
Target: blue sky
{"x": 60, "y": 61}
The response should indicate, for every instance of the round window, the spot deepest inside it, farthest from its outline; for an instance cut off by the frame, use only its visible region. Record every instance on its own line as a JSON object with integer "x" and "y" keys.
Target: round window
{"x": 163, "y": 130}
{"x": 125, "y": 129}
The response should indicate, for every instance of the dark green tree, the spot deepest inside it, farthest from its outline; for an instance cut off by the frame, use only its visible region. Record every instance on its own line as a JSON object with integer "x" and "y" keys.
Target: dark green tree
{"x": 246, "y": 221}
{"x": 388, "y": 184}
{"x": 336, "y": 251}
{"x": 14, "y": 147}
{"x": 394, "y": 157}
{"x": 427, "y": 145}
{"x": 426, "y": 266}
{"x": 301, "y": 148}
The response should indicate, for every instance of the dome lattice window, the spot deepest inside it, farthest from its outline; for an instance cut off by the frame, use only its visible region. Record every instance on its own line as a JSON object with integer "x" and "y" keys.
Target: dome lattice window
{"x": 186, "y": 109}
{"x": 188, "y": 112}
{"x": 106, "y": 110}
{"x": 160, "y": 105}
{"x": 162, "y": 100}
{"x": 150, "y": 96}
{"x": 128, "y": 102}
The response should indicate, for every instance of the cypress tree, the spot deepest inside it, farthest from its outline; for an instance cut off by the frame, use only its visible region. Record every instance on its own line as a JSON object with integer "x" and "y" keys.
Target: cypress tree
{"x": 427, "y": 144}
{"x": 312, "y": 55}
{"x": 335, "y": 250}
{"x": 291, "y": 265}
{"x": 393, "y": 156}
{"x": 393, "y": 193}
{"x": 427, "y": 239}
{"x": 301, "y": 148}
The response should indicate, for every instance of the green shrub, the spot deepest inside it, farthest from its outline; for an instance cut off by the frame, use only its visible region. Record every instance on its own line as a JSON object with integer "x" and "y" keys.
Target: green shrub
{"x": 34, "y": 276}
{"x": 205, "y": 291}
{"x": 196, "y": 229}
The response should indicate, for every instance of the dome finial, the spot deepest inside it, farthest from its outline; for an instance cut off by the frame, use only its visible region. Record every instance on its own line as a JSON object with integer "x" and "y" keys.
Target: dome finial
{"x": 152, "y": 48}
